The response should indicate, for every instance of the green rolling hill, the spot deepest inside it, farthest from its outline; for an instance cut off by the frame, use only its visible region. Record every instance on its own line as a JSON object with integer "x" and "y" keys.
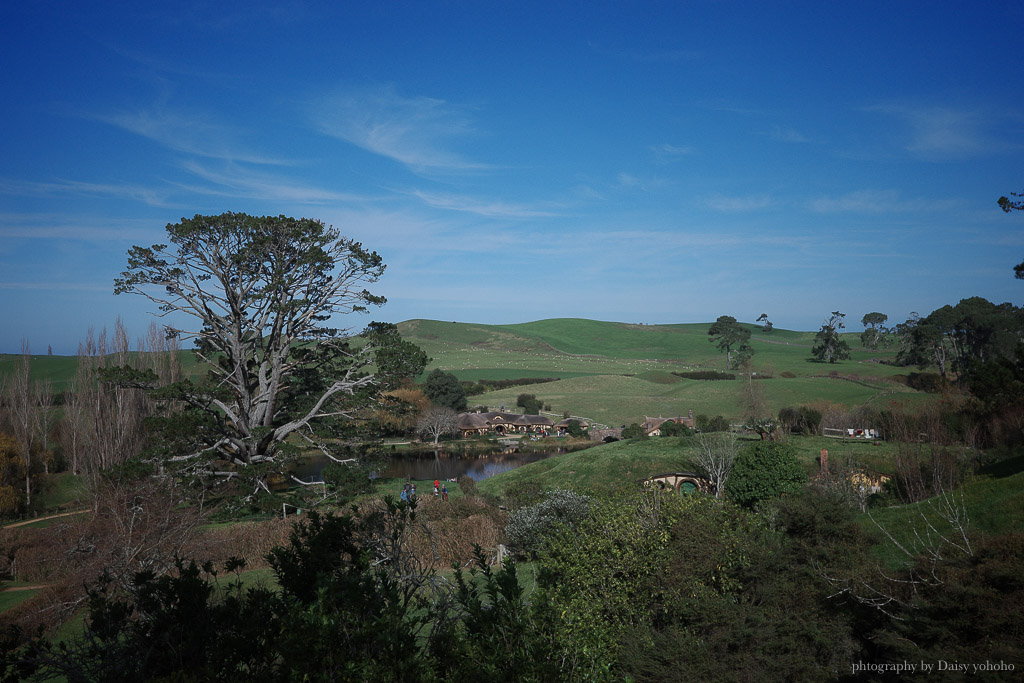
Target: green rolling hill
{"x": 617, "y": 373}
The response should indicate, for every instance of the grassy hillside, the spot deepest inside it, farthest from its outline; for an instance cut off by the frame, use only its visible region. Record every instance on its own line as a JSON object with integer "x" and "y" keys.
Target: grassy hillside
{"x": 60, "y": 370}
{"x": 601, "y": 468}
{"x": 616, "y": 373}
{"x": 596, "y": 347}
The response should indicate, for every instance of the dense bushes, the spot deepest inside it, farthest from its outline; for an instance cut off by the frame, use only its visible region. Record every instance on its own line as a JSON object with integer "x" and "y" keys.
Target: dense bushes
{"x": 634, "y": 430}
{"x": 672, "y": 428}
{"x": 801, "y": 419}
{"x": 703, "y": 423}
{"x": 928, "y": 382}
{"x": 643, "y": 586}
{"x": 764, "y": 470}
{"x": 705, "y": 375}
{"x": 528, "y": 526}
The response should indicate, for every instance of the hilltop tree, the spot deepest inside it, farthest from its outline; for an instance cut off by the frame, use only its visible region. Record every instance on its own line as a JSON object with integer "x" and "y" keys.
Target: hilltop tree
{"x": 828, "y": 345}
{"x": 444, "y": 389}
{"x": 260, "y": 292}
{"x": 967, "y": 336}
{"x": 1010, "y": 205}
{"x": 727, "y": 334}
{"x": 763, "y": 318}
{"x": 875, "y": 332}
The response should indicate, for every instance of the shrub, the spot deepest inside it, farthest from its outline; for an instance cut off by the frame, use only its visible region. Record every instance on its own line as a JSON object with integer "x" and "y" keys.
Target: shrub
{"x": 528, "y": 526}
{"x": 801, "y": 419}
{"x": 574, "y": 429}
{"x": 530, "y": 404}
{"x": 765, "y": 470}
{"x": 670, "y": 428}
{"x": 703, "y": 423}
{"x": 705, "y": 375}
{"x": 787, "y": 374}
{"x": 634, "y": 430}
{"x": 929, "y": 382}
{"x": 347, "y": 479}
{"x": 467, "y": 485}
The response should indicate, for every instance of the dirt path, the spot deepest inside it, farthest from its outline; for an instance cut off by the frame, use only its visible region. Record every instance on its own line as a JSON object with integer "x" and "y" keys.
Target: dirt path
{"x": 41, "y": 519}
{"x": 15, "y": 589}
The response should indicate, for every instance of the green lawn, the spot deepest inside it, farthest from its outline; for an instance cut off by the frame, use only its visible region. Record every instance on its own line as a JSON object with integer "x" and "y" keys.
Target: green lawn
{"x": 615, "y": 464}
{"x": 599, "y": 469}
{"x": 62, "y": 490}
{"x": 13, "y": 598}
{"x": 615, "y": 400}
{"x": 992, "y": 505}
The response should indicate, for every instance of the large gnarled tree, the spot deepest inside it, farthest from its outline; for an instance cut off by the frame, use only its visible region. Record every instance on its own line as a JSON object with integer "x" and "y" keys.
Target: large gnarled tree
{"x": 262, "y": 292}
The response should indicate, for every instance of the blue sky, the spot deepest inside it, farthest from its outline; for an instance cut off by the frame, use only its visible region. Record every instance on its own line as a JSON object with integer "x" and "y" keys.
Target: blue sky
{"x": 512, "y": 161}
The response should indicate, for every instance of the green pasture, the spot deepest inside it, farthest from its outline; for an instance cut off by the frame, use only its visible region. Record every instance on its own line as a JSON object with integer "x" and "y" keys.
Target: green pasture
{"x": 992, "y": 505}
{"x": 60, "y": 491}
{"x": 601, "y": 468}
{"x": 596, "y": 347}
{"x": 12, "y": 598}
{"x": 60, "y": 370}
{"x": 616, "y": 464}
{"x": 615, "y": 400}
{"x": 616, "y": 373}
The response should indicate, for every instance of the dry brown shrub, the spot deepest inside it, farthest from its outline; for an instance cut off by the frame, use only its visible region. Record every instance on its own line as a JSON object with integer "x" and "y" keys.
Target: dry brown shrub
{"x": 451, "y": 540}
{"x": 134, "y": 526}
{"x": 447, "y": 530}
{"x": 250, "y": 541}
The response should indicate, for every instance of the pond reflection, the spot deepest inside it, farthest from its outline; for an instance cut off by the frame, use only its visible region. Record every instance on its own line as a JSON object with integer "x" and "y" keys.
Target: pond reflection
{"x": 439, "y": 464}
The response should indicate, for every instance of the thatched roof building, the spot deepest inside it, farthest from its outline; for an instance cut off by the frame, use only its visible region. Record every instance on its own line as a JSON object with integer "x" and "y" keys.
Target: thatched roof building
{"x": 502, "y": 423}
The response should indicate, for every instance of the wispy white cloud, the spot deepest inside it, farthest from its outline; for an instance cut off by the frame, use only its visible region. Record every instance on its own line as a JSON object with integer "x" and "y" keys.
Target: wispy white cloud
{"x": 232, "y": 180}
{"x": 90, "y": 229}
{"x": 739, "y": 204}
{"x": 188, "y": 133}
{"x": 877, "y": 201}
{"x": 787, "y": 134}
{"x": 482, "y": 207}
{"x": 54, "y": 286}
{"x": 415, "y": 131}
{"x": 147, "y": 195}
{"x": 628, "y": 181}
{"x": 668, "y": 153}
{"x": 943, "y": 133}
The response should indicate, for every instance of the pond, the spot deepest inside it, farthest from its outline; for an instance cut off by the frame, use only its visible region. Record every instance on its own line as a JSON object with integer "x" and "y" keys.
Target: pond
{"x": 441, "y": 464}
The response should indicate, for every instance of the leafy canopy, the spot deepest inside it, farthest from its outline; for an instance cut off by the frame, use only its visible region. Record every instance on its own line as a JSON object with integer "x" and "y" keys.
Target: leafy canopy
{"x": 828, "y": 345}
{"x": 444, "y": 389}
{"x": 727, "y": 335}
